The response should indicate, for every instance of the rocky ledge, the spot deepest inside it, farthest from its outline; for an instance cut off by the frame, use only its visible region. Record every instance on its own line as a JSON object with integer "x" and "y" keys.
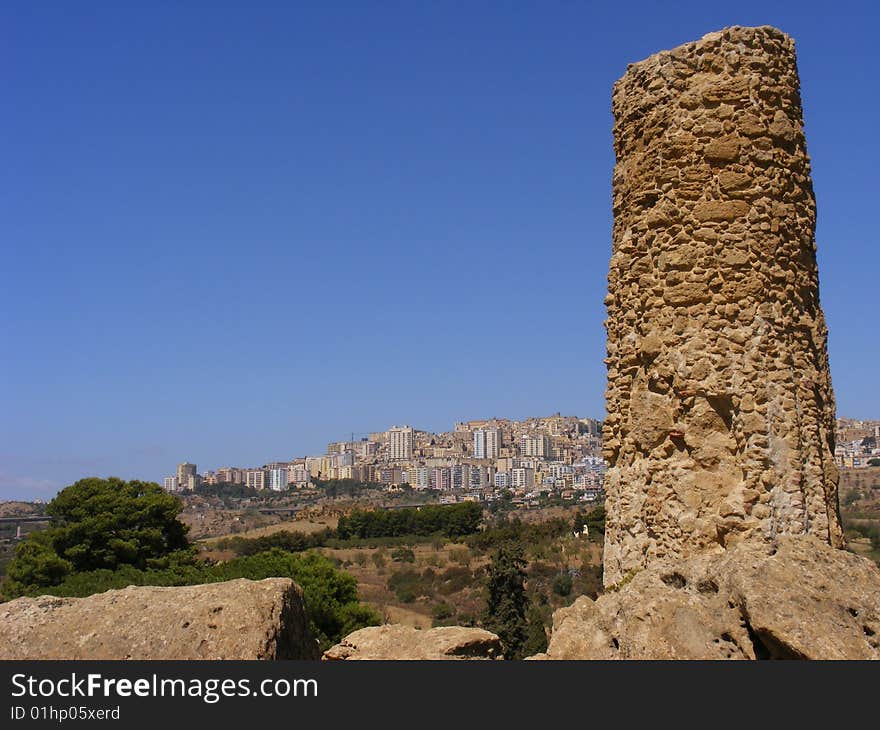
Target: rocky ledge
{"x": 800, "y": 600}
{"x": 238, "y": 619}
{"x": 393, "y": 641}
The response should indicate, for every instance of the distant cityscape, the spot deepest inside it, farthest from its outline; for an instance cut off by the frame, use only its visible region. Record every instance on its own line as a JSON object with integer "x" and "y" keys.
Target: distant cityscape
{"x": 477, "y": 460}
{"x": 857, "y": 443}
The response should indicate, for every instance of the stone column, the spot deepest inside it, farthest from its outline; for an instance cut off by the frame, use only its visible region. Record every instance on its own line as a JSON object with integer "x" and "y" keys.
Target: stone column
{"x": 720, "y": 420}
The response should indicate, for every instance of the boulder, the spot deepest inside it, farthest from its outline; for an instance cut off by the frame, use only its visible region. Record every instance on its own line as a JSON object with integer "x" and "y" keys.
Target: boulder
{"x": 393, "y": 641}
{"x": 238, "y": 619}
{"x": 802, "y": 599}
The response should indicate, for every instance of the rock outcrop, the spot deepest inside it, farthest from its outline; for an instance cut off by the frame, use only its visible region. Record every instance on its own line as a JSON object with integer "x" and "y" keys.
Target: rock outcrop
{"x": 238, "y": 619}
{"x": 394, "y": 641}
{"x": 803, "y": 600}
{"x": 720, "y": 421}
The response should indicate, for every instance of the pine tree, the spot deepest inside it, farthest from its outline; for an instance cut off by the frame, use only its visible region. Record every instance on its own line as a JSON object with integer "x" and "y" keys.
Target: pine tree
{"x": 506, "y": 601}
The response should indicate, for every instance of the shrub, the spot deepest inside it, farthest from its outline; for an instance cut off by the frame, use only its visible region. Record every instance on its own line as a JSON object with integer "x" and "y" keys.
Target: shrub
{"x": 562, "y": 584}
{"x": 454, "y": 579}
{"x": 442, "y": 611}
{"x": 462, "y": 556}
{"x": 403, "y": 555}
{"x": 408, "y": 585}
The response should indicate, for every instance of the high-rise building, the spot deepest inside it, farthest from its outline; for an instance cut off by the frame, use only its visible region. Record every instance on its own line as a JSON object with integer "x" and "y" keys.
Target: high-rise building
{"x": 441, "y": 478}
{"x": 299, "y": 475}
{"x": 257, "y": 478}
{"x": 522, "y": 478}
{"x": 184, "y": 472}
{"x": 279, "y": 478}
{"x": 171, "y": 484}
{"x": 539, "y": 445}
{"x": 479, "y": 478}
{"x": 420, "y": 477}
{"x": 460, "y": 476}
{"x": 400, "y": 442}
{"x": 487, "y": 442}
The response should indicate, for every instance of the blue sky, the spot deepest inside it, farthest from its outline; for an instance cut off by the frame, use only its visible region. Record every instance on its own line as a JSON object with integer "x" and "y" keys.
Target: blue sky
{"x": 233, "y": 232}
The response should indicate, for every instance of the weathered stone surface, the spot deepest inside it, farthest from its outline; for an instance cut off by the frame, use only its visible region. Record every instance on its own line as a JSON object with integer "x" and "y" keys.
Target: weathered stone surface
{"x": 238, "y": 619}
{"x": 393, "y": 641}
{"x": 806, "y": 600}
{"x": 721, "y": 412}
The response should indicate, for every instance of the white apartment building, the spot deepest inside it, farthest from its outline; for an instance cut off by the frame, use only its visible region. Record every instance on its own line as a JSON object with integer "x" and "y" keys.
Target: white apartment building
{"x": 558, "y": 471}
{"x": 401, "y": 440}
{"x": 171, "y": 484}
{"x": 487, "y": 442}
{"x": 522, "y": 478}
{"x": 420, "y": 477}
{"x": 279, "y": 478}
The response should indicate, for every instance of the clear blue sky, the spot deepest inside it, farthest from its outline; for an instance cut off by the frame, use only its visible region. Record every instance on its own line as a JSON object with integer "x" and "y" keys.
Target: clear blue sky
{"x": 233, "y": 232}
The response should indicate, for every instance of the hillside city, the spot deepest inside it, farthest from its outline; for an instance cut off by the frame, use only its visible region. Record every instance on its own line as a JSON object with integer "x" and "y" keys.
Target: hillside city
{"x": 477, "y": 460}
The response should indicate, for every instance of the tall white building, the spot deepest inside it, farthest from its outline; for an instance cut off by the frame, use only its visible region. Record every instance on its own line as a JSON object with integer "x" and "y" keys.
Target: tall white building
{"x": 279, "y": 478}
{"x": 171, "y": 484}
{"x": 401, "y": 440}
{"x": 487, "y": 442}
{"x": 522, "y": 478}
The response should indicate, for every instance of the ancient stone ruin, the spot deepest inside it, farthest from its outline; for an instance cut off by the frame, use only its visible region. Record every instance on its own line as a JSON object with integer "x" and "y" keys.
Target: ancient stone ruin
{"x": 720, "y": 410}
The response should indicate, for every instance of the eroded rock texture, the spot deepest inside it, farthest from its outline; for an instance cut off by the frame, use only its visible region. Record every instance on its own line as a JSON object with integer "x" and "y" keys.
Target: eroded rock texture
{"x": 393, "y": 641}
{"x": 720, "y": 410}
{"x": 800, "y": 600}
{"x": 238, "y": 619}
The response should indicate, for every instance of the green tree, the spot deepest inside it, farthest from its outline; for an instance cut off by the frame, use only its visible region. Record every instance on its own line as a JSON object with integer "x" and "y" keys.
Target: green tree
{"x": 506, "y": 599}
{"x": 536, "y": 634}
{"x": 35, "y": 564}
{"x": 102, "y": 524}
